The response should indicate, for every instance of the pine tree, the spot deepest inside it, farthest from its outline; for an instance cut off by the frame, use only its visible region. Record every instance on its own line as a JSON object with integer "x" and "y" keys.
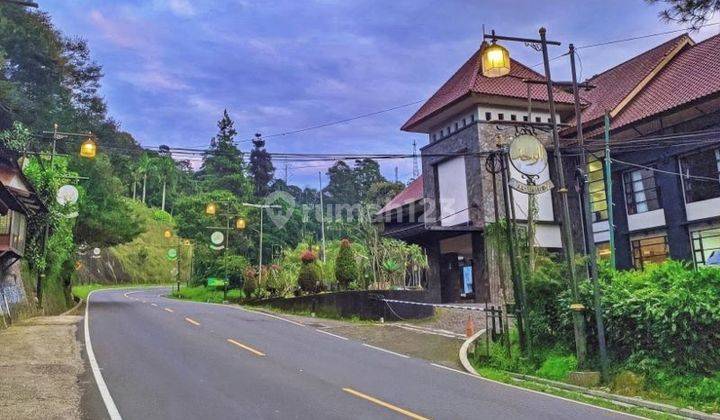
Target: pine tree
{"x": 262, "y": 170}
{"x": 223, "y": 167}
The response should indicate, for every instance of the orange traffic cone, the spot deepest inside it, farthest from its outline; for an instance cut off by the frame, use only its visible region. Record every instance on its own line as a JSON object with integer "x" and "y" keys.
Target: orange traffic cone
{"x": 469, "y": 327}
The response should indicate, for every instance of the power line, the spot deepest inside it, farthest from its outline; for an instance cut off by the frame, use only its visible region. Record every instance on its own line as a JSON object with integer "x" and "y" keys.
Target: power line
{"x": 616, "y": 41}
{"x": 650, "y": 168}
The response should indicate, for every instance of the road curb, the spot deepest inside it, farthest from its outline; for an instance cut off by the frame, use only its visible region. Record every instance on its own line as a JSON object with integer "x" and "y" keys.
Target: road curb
{"x": 77, "y": 305}
{"x": 634, "y": 401}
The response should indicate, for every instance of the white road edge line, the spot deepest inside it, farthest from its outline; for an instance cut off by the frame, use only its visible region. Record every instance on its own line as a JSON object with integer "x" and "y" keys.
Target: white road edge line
{"x": 102, "y": 387}
{"x": 535, "y": 392}
{"x": 386, "y": 351}
{"x": 331, "y": 334}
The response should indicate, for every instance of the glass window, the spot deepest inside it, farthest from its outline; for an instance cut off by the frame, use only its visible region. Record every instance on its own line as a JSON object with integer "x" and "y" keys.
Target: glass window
{"x": 602, "y": 250}
{"x": 472, "y": 117}
{"x": 596, "y": 189}
{"x": 488, "y": 116}
{"x": 649, "y": 250}
{"x": 525, "y": 117}
{"x": 501, "y": 116}
{"x": 705, "y": 243}
{"x": 5, "y": 224}
{"x": 705, "y": 165}
{"x": 537, "y": 119}
{"x": 513, "y": 117}
{"x": 641, "y": 192}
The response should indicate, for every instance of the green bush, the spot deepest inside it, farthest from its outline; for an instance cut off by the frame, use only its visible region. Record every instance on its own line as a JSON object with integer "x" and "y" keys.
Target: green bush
{"x": 161, "y": 216}
{"x": 557, "y": 368}
{"x": 310, "y": 277}
{"x": 345, "y": 268}
{"x": 668, "y": 312}
{"x": 250, "y": 283}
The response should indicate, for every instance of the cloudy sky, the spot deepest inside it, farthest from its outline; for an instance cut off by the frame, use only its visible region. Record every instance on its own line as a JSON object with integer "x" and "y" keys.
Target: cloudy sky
{"x": 172, "y": 66}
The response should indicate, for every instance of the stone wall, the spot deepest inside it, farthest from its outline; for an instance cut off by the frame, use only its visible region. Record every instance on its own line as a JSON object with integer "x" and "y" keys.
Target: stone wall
{"x": 363, "y": 304}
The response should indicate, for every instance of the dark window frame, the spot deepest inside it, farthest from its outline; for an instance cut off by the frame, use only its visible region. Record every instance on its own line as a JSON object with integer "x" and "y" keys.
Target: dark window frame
{"x": 631, "y": 204}
{"x": 636, "y": 247}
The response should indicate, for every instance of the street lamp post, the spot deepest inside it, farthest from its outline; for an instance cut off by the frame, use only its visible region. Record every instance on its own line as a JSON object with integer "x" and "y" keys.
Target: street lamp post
{"x": 211, "y": 209}
{"x": 260, "y": 256}
{"x": 490, "y": 69}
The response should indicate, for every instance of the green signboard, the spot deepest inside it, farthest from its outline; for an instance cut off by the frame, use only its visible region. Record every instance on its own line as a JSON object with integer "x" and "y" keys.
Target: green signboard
{"x": 216, "y": 282}
{"x": 172, "y": 254}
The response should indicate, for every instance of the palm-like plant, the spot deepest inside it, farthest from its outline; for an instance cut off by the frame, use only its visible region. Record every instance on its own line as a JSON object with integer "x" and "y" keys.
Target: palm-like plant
{"x": 143, "y": 167}
{"x": 166, "y": 172}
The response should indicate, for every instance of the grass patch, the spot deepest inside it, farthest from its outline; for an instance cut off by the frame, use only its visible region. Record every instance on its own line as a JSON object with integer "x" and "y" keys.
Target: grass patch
{"x": 144, "y": 259}
{"x": 82, "y": 291}
{"x": 647, "y": 379}
{"x": 208, "y": 294}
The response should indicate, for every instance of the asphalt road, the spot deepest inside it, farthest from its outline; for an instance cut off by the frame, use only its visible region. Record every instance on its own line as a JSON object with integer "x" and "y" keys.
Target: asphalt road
{"x": 163, "y": 358}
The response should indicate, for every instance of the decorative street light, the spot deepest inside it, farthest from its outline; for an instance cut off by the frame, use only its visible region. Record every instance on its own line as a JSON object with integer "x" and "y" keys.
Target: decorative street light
{"x": 88, "y": 149}
{"x": 495, "y": 60}
{"x": 210, "y": 209}
{"x": 240, "y": 224}
{"x": 167, "y": 233}
{"x": 495, "y": 68}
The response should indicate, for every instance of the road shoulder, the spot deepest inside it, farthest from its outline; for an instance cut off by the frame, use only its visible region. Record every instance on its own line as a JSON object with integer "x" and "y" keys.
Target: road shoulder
{"x": 42, "y": 368}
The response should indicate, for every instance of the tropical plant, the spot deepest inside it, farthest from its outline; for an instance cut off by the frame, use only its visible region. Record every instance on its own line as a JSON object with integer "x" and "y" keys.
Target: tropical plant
{"x": 345, "y": 267}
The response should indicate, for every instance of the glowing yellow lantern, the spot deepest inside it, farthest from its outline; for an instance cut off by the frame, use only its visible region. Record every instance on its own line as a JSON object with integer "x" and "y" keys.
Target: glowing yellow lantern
{"x": 240, "y": 224}
{"x": 211, "y": 208}
{"x": 88, "y": 149}
{"x": 495, "y": 61}
{"x": 167, "y": 233}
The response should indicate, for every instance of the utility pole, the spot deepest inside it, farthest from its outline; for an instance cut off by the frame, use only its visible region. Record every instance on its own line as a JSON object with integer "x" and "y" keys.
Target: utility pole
{"x": 416, "y": 168}
{"x": 589, "y": 235}
{"x": 578, "y": 319}
{"x": 322, "y": 216}
{"x": 396, "y": 174}
{"x": 608, "y": 191}
{"x": 286, "y": 173}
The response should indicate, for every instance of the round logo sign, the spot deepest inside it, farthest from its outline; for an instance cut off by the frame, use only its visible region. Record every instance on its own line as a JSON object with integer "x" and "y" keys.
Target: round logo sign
{"x": 528, "y": 155}
{"x": 67, "y": 194}
{"x": 172, "y": 253}
{"x": 217, "y": 237}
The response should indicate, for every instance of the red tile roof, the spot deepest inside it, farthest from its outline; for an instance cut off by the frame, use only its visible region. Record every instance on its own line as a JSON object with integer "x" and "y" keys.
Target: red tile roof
{"x": 469, "y": 79}
{"x": 614, "y": 85}
{"x": 693, "y": 74}
{"x": 413, "y": 192}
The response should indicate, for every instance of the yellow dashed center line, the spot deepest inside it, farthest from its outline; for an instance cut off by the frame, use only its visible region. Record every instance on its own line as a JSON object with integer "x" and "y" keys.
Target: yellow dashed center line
{"x": 381, "y": 403}
{"x": 244, "y": 347}
{"x": 169, "y": 310}
{"x": 192, "y": 321}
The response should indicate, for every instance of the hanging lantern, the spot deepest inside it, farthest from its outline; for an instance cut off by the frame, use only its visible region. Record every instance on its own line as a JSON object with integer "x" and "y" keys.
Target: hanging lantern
{"x": 495, "y": 61}
{"x": 211, "y": 208}
{"x": 240, "y": 224}
{"x": 88, "y": 149}
{"x": 167, "y": 233}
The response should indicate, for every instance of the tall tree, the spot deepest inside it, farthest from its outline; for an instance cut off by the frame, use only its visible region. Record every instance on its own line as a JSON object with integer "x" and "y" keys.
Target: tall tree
{"x": 261, "y": 167}
{"x": 366, "y": 173}
{"x": 341, "y": 188}
{"x": 223, "y": 167}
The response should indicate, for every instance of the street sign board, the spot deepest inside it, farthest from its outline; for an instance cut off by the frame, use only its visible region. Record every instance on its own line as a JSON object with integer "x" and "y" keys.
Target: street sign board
{"x": 216, "y": 282}
{"x": 531, "y": 188}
